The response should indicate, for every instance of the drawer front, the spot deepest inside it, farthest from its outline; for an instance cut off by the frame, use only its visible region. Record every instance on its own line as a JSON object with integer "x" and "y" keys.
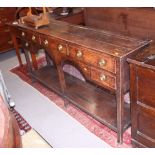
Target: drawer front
{"x": 144, "y": 127}
{"x": 5, "y": 35}
{"x": 7, "y": 11}
{"x": 103, "y": 78}
{"x": 146, "y": 86}
{"x": 22, "y": 34}
{"x": 44, "y": 41}
{"x": 5, "y": 31}
{"x": 85, "y": 69}
{"x": 26, "y": 44}
{"x": 76, "y": 53}
{"x": 32, "y": 37}
{"x": 103, "y": 61}
{"x": 60, "y": 47}
{"x": 6, "y": 40}
{"x": 7, "y": 15}
{"x": 6, "y": 46}
{"x": 100, "y": 60}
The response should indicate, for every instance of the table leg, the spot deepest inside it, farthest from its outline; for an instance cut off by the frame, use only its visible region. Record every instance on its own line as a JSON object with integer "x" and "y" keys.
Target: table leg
{"x": 120, "y": 102}
{"x": 34, "y": 60}
{"x": 16, "y": 46}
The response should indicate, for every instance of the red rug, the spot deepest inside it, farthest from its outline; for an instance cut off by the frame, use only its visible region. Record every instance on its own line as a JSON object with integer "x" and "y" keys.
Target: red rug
{"x": 91, "y": 124}
{"x": 22, "y": 123}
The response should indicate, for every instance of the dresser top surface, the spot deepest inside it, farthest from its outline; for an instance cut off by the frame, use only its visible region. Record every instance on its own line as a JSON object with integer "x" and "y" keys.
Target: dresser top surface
{"x": 146, "y": 57}
{"x": 99, "y": 40}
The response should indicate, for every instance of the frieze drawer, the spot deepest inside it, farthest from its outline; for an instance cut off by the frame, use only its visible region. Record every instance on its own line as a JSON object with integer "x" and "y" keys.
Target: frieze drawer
{"x": 103, "y": 78}
{"x": 100, "y": 60}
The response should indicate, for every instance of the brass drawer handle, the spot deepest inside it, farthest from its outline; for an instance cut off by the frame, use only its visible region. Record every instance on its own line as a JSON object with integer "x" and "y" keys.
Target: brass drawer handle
{"x": 45, "y": 42}
{"x": 102, "y": 63}
{"x": 79, "y": 54}
{"x": 85, "y": 69}
{"x": 33, "y": 38}
{"x": 60, "y": 47}
{"x": 7, "y": 30}
{"x": 10, "y": 42}
{"x": 26, "y": 44}
{"x": 23, "y": 34}
{"x": 103, "y": 77}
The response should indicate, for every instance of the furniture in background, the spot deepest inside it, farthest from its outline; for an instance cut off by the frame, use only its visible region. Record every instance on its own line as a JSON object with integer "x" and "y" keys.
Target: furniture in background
{"x": 75, "y": 15}
{"x": 6, "y": 15}
{"x": 142, "y": 89}
{"x": 9, "y": 130}
{"x": 133, "y": 22}
{"x": 99, "y": 55}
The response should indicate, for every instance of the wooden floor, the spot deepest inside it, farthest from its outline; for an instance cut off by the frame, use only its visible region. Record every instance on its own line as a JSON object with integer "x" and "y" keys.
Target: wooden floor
{"x": 94, "y": 101}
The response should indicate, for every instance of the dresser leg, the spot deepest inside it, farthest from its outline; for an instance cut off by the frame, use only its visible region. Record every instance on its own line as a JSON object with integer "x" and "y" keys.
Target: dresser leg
{"x": 34, "y": 60}
{"x": 16, "y": 46}
{"x": 47, "y": 58}
{"x": 66, "y": 103}
{"x": 61, "y": 78}
{"x": 27, "y": 60}
{"x": 120, "y": 101}
{"x": 28, "y": 64}
{"x": 120, "y": 110}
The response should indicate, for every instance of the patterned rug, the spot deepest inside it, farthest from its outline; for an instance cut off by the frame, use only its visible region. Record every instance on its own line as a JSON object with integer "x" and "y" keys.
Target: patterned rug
{"x": 100, "y": 130}
{"x": 22, "y": 123}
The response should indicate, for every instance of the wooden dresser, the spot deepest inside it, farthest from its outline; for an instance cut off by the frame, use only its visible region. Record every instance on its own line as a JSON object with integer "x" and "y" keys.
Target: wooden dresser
{"x": 142, "y": 88}
{"x": 6, "y": 15}
{"x": 100, "y": 56}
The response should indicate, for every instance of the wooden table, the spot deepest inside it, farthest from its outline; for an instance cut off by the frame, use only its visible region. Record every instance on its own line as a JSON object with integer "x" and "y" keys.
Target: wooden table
{"x": 99, "y": 55}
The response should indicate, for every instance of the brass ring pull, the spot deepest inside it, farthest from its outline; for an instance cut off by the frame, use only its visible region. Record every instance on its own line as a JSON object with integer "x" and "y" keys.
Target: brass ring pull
{"x": 102, "y": 63}
{"x": 46, "y": 42}
{"x": 85, "y": 69}
{"x": 103, "y": 77}
{"x": 26, "y": 44}
{"x": 33, "y": 38}
{"x": 60, "y": 47}
{"x": 23, "y": 34}
{"x": 79, "y": 54}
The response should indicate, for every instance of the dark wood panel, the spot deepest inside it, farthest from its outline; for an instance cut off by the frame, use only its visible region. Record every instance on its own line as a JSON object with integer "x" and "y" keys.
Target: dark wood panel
{"x": 7, "y": 14}
{"x": 135, "y": 22}
{"x": 146, "y": 81}
{"x": 142, "y": 90}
